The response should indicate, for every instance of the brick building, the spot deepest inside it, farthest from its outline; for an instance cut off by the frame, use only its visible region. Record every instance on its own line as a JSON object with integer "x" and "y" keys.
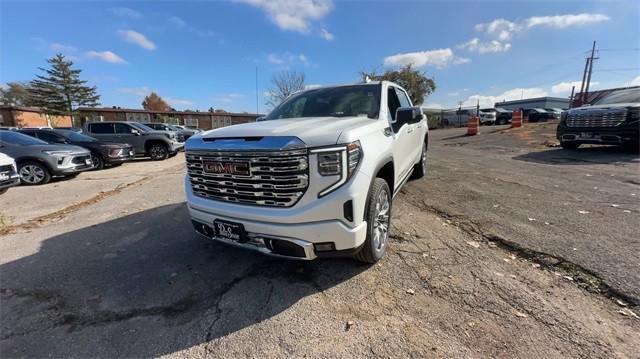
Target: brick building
{"x": 203, "y": 120}
{"x": 18, "y": 116}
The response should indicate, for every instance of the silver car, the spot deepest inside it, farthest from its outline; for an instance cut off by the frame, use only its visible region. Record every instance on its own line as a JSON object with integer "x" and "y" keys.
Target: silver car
{"x": 38, "y": 161}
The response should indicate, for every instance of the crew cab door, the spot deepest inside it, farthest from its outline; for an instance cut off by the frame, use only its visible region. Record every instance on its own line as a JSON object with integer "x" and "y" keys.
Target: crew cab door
{"x": 415, "y": 130}
{"x": 402, "y": 138}
{"x": 102, "y": 131}
{"x": 125, "y": 133}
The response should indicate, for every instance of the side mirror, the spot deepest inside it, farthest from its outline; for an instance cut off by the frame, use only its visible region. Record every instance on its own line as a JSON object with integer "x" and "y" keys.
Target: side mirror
{"x": 409, "y": 115}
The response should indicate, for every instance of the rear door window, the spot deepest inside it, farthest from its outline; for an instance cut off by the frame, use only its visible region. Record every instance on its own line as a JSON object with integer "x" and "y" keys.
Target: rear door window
{"x": 122, "y": 128}
{"x": 101, "y": 128}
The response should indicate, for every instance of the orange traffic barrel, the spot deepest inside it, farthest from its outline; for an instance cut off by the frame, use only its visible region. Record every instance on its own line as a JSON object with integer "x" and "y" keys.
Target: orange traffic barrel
{"x": 473, "y": 124}
{"x": 516, "y": 119}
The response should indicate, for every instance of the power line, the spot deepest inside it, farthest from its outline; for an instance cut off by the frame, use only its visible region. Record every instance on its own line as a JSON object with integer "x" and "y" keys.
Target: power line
{"x": 627, "y": 49}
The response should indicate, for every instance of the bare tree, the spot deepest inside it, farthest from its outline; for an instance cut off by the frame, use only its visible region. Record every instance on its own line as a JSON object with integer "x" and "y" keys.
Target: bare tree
{"x": 285, "y": 83}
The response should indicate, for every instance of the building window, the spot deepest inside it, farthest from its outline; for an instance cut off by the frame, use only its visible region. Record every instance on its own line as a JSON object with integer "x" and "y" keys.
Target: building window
{"x": 191, "y": 122}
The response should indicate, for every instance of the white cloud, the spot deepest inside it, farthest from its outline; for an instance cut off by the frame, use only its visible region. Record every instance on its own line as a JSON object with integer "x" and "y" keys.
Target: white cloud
{"x": 565, "y": 87}
{"x": 227, "y": 97}
{"x": 175, "y": 102}
{"x": 137, "y": 38}
{"x": 55, "y": 46}
{"x": 106, "y": 56}
{"x": 433, "y": 105}
{"x": 293, "y": 15}
{"x": 138, "y": 91}
{"x": 126, "y": 12}
{"x": 312, "y": 86}
{"x": 634, "y": 82}
{"x": 513, "y": 94}
{"x": 325, "y": 34}
{"x": 475, "y": 45}
{"x": 564, "y": 21}
{"x": 503, "y": 29}
{"x": 178, "y": 22}
{"x": 499, "y": 28}
{"x": 287, "y": 59}
{"x": 437, "y": 58}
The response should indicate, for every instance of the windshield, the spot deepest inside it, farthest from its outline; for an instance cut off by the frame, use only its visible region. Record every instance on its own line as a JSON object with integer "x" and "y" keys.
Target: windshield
{"x": 20, "y": 139}
{"x": 75, "y": 136}
{"x": 141, "y": 127}
{"x": 360, "y": 100}
{"x": 621, "y": 96}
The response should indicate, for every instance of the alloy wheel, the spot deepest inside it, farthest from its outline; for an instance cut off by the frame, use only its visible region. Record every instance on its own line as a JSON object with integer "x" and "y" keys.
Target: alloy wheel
{"x": 381, "y": 221}
{"x": 32, "y": 174}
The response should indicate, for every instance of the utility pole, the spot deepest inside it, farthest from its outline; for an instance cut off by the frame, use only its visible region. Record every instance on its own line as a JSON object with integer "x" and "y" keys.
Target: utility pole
{"x": 257, "y": 90}
{"x": 584, "y": 78}
{"x": 586, "y": 89}
{"x": 573, "y": 91}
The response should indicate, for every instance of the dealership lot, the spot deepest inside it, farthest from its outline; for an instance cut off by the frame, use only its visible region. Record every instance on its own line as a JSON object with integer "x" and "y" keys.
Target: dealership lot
{"x": 509, "y": 247}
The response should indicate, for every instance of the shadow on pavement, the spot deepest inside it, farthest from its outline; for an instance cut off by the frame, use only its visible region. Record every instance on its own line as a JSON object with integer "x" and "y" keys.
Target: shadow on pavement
{"x": 581, "y": 156}
{"x": 146, "y": 285}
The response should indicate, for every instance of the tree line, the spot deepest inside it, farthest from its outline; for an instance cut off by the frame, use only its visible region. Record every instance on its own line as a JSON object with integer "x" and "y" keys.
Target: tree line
{"x": 417, "y": 84}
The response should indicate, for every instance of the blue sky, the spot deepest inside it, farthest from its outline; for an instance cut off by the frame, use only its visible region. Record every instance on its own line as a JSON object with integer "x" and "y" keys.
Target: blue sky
{"x": 201, "y": 54}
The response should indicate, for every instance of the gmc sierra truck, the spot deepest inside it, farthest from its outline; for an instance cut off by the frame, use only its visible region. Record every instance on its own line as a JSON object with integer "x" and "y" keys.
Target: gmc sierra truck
{"x": 315, "y": 178}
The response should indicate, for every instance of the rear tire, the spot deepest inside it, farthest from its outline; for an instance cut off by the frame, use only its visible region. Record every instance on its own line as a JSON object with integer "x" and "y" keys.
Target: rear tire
{"x": 33, "y": 173}
{"x": 378, "y": 216}
{"x": 569, "y": 145}
{"x": 420, "y": 168}
{"x": 158, "y": 152}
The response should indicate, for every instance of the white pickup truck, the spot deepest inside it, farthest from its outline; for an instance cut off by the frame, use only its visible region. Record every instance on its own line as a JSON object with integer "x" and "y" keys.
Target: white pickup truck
{"x": 315, "y": 178}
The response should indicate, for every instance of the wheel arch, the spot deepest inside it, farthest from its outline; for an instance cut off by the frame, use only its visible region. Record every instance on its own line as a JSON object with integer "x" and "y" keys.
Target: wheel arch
{"x": 24, "y": 159}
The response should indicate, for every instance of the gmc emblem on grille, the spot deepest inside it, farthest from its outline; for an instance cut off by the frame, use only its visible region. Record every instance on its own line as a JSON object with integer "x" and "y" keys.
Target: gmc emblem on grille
{"x": 230, "y": 168}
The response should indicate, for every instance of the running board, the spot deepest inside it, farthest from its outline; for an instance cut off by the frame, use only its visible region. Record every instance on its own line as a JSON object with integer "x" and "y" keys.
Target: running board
{"x": 398, "y": 188}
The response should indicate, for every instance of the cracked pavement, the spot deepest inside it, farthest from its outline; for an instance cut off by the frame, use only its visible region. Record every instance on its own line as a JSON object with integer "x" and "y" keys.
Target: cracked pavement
{"x": 126, "y": 276}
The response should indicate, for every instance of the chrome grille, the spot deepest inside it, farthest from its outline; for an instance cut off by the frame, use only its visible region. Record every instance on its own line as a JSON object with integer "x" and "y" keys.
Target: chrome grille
{"x": 278, "y": 178}
{"x": 596, "y": 118}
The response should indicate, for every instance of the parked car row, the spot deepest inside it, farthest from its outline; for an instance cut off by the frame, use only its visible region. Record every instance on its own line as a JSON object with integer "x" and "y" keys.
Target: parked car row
{"x": 33, "y": 156}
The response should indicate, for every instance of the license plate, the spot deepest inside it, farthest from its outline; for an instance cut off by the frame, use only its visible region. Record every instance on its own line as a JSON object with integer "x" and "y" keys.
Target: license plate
{"x": 4, "y": 177}
{"x": 230, "y": 230}
{"x": 588, "y": 135}
{"x": 88, "y": 161}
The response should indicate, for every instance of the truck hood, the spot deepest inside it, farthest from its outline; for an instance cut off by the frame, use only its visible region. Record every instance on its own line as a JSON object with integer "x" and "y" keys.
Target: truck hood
{"x": 607, "y": 106}
{"x": 313, "y": 131}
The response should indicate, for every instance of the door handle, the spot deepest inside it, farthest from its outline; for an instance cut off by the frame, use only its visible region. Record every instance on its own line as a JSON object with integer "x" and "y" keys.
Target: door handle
{"x": 410, "y": 129}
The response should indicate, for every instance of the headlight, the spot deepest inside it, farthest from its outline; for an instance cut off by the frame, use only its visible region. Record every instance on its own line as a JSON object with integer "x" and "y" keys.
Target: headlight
{"x": 339, "y": 161}
{"x": 56, "y": 153}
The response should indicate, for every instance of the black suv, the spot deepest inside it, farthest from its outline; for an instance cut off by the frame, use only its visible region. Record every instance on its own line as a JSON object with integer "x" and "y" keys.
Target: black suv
{"x": 102, "y": 153}
{"x": 612, "y": 120}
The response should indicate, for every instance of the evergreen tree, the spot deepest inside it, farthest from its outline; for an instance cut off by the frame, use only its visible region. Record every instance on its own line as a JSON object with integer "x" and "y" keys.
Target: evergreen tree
{"x": 60, "y": 91}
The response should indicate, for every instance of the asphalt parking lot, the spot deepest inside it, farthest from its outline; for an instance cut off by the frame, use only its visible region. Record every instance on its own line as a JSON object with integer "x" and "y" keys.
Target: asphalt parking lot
{"x": 508, "y": 248}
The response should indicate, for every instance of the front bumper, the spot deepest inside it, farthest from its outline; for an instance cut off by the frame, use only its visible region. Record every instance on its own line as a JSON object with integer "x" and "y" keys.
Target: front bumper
{"x": 314, "y": 227}
{"x": 123, "y": 155}
{"x": 71, "y": 164}
{"x": 627, "y": 133}
{"x": 9, "y": 180}
{"x": 176, "y": 146}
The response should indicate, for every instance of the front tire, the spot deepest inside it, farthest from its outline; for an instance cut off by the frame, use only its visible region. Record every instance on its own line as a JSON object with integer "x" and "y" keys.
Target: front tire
{"x": 378, "y": 216}
{"x": 33, "y": 173}
{"x": 98, "y": 162}
{"x": 158, "y": 152}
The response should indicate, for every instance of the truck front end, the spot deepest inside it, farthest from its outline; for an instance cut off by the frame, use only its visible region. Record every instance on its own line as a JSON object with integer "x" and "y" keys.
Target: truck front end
{"x": 276, "y": 195}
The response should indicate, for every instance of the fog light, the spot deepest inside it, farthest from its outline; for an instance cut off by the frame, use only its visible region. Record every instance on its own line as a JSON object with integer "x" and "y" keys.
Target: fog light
{"x": 324, "y": 247}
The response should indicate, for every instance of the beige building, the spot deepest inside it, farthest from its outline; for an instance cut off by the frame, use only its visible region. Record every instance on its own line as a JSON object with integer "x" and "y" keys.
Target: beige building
{"x": 18, "y": 116}
{"x": 203, "y": 120}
